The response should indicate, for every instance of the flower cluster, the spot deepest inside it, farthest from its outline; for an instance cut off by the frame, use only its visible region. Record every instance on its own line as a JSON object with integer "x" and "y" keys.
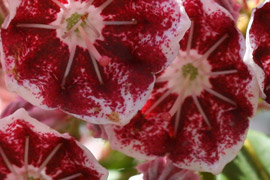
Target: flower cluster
{"x": 169, "y": 81}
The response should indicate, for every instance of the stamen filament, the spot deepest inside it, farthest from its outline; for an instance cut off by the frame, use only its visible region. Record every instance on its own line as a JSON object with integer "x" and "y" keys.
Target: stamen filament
{"x": 77, "y": 25}
{"x": 88, "y": 4}
{"x": 177, "y": 106}
{"x": 190, "y": 39}
{"x": 72, "y": 176}
{"x": 104, "y": 5}
{"x": 94, "y": 54}
{"x": 120, "y": 22}
{"x": 26, "y": 154}
{"x": 214, "y": 47}
{"x": 41, "y": 26}
{"x": 166, "y": 94}
{"x": 60, "y": 5}
{"x": 96, "y": 69}
{"x": 10, "y": 167}
{"x": 218, "y": 95}
{"x": 92, "y": 27}
{"x": 89, "y": 45}
{"x": 221, "y": 73}
{"x": 199, "y": 107}
{"x": 163, "y": 79}
{"x": 50, "y": 156}
{"x": 70, "y": 62}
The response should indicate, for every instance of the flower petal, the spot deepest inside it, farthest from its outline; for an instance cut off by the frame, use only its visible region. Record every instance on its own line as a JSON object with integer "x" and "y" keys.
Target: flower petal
{"x": 258, "y": 47}
{"x": 29, "y": 147}
{"x": 100, "y": 73}
{"x": 198, "y": 113}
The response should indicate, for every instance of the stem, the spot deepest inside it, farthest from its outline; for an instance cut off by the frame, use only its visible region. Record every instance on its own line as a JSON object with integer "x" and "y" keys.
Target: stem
{"x": 254, "y": 158}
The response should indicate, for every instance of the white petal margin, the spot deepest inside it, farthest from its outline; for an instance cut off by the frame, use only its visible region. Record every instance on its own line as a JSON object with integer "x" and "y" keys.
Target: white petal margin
{"x": 13, "y": 5}
{"x": 174, "y": 45}
{"x": 40, "y": 128}
{"x": 248, "y": 58}
{"x": 131, "y": 148}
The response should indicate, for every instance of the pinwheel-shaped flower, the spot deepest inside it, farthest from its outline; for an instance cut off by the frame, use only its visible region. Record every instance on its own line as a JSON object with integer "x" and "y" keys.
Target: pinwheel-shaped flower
{"x": 197, "y": 115}
{"x": 162, "y": 169}
{"x": 30, "y": 150}
{"x": 95, "y": 59}
{"x": 258, "y": 47}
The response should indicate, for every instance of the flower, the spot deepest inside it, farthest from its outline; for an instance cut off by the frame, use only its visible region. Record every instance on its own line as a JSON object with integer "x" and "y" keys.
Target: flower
{"x": 31, "y": 150}
{"x": 160, "y": 169}
{"x": 94, "y": 59}
{"x": 53, "y": 118}
{"x": 258, "y": 47}
{"x": 197, "y": 115}
{"x": 232, "y": 6}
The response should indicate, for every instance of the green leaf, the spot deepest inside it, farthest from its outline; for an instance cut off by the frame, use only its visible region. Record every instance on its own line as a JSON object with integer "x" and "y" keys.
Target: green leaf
{"x": 252, "y": 162}
{"x": 119, "y": 165}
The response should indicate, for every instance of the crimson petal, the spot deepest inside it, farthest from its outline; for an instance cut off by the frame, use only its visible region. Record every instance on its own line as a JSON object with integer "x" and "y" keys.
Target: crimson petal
{"x": 258, "y": 47}
{"x": 31, "y": 149}
{"x": 198, "y": 113}
{"x": 96, "y": 63}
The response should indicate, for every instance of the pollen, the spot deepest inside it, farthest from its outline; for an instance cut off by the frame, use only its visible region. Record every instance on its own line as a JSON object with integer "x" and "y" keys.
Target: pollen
{"x": 74, "y": 19}
{"x": 114, "y": 116}
{"x": 190, "y": 70}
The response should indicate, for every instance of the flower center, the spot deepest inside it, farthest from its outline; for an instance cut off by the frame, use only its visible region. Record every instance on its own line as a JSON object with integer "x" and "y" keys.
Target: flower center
{"x": 80, "y": 24}
{"x": 190, "y": 70}
{"x": 188, "y": 76}
{"x": 74, "y": 19}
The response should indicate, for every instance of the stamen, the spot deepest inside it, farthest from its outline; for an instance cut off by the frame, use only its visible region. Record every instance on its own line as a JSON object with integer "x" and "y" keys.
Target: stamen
{"x": 26, "y": 153}
{"x": 88, "y": 4}
{"x": 72, "y": 176}
{"x": 199, "y": 107}
{"x": 77, "y": 25}
{"x": 89, "y": 45}
{"x": 179, "y": 99}
{"x": 177, "y": 106}
{"x": 159, "y": 100}
{"x": 93, "y": 53}
{"x": 220, "y": 96}
{"x": 96, "y": 69}
{"x": 163, "y": 79}
{"x": 92, "y": 27}
{"x": 60, "y": 5}
{"x": 214, "y": 47}
{"x": 70, "y": 62}
{"x": 120, "y": 22}
{"x": 104, "y": 5}
{"x": 50, "y": 156}
{"x": 217, "y": 73}
{"x": 10, "y": 167}
{"x": 190, "y": 39}
{"x": 41, "y": 26}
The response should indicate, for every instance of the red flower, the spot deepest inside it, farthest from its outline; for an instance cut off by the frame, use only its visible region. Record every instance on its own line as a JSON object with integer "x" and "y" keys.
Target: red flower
{"x": 94, "y": 59}
{"x": 197, "y": 115}
{"x": 162, "y": 169}
{"x": 31, "y": 150}
{"x": 258, "y": 47}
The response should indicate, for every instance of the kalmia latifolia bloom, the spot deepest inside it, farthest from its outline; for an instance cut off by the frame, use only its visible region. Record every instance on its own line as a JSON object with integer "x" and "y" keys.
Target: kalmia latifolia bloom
{"x": 258, "y": 47}
{"x": 94, "y": 59}
{"x": 197, "y": 115}
{"x": 162, "y": 169}
{"x": 30, "y": 150}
